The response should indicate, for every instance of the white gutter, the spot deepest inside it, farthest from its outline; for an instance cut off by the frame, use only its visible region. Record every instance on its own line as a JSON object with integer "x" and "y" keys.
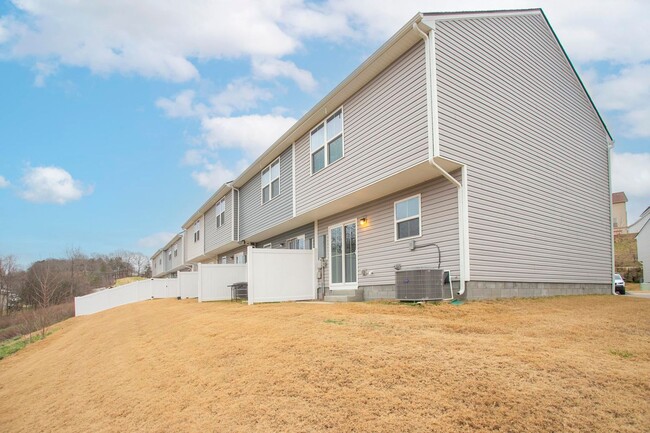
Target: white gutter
{"x": 610, "y": 146}
{"x": 433, "y": 137}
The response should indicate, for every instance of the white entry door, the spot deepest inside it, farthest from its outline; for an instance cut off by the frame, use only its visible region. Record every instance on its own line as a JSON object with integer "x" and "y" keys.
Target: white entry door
{"x": 343, "y": 256}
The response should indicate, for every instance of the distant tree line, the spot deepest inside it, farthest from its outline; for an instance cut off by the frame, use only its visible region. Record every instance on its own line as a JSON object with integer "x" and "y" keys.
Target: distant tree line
{"x": 58, "y": 280}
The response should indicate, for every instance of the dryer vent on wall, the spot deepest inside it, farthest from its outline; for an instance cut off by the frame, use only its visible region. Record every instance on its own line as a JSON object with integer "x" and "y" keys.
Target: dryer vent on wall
{"x": 422, "y": 285}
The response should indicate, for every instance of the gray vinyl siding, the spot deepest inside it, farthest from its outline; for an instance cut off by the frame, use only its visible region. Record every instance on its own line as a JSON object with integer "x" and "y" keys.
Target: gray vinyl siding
{"x": 231, "y": 254}
{"x": 377, "y": 250}
{"x": 178, "y": 259}
{"x": 166, "y": 260}
{"x": 254, "y": 216}
{"x": 194, "y": 249}
{"x": 275, "y": 241}
{"x": 218, "y": 236}
{"x": 385, "y": 132}
{"x": 511, "y": 108}
{"x": 158, "y": 268}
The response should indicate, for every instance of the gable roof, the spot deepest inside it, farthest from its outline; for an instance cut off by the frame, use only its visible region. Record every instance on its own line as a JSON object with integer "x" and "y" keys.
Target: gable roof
{"x": 390, "y": 51}
{"x": 619, "y": 197}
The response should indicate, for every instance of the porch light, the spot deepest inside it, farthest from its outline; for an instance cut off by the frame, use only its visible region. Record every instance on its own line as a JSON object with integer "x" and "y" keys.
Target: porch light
{"x": 363, "y": 221}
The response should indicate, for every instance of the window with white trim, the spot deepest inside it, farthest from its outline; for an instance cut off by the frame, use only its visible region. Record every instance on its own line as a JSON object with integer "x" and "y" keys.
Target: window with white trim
{"x": 240, "y": 258}
{"x": 224, "y": 260}
{"x": 297, "y": 243}
{"x": 176, "y": 250}
{"x": 271, "y": 181}
{"x": 407, "y": 218}
{"x": 197, "y": 231}
{"x": 269, "y": 245}
{"x": 221, "y": 212}
{"x": 326, "y": 142}
{"x": 170, "y": 255}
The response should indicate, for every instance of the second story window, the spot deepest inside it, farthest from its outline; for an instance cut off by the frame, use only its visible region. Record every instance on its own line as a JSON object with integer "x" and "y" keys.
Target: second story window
{"x": 326, "y": 142}
{"x": 175, "y": 250}
{"x": 170, "y": 255}
{"x": 271, "y": 181}
{"x": 197, "y": 231}
{"x": 221, "y": 212}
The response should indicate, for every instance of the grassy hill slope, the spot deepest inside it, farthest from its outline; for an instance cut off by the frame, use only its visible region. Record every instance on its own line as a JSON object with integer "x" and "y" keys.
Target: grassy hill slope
{"x": 541, "y": 365}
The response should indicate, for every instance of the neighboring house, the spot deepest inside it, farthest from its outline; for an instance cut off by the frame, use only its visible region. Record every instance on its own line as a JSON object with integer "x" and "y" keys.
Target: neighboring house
{"x": 643, "y": 253}
{"x": 457, "y": 133}
{"x": 639, "y": 223}
{"x": 170, "y": 259}
{"x": 619, "y": 213}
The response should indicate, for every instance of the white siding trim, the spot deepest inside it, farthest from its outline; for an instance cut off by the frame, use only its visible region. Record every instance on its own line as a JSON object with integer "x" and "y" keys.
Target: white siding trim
{"x": 430, "y": 101}
{"x": 433, "y": 79}
{"x": 232, "y": 213}
{"x": 293, "y": 173}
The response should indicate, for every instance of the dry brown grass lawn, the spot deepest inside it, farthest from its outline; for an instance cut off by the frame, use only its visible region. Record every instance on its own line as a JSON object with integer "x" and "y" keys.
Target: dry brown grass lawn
{"x": 570, "y": 364}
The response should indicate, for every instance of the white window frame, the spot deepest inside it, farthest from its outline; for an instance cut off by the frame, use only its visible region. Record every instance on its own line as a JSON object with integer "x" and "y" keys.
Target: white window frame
{"x": 298, "y": 239}
{"x": 269, "y": 245}
{"x": 220, "y": 212}
{"x": 271, "y": 179}
{"x": 176, "y": 250}
{"x": 224, "y": 260}
{"x": 419, "y": 217}
{"x": 342, "y": 285}
{"x": 197, "y": 231}
{"x": 170, "y": 255}
{"x": 326, "y": 142}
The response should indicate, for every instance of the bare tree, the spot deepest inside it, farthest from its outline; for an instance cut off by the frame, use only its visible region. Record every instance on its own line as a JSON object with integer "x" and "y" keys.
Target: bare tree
{"x": 8, "y": 270}
{"x": 47, "y": 289}
{"x": 75, "y": 257}
{"x": 139, "y": 263}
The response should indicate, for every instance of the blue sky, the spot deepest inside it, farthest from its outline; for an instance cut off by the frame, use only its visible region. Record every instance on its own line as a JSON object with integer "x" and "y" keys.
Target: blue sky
{"x": 117, "y": 120}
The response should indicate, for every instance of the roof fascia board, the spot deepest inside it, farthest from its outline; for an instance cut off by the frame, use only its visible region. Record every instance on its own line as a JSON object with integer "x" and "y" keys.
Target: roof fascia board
{"x": 448, "y": 16}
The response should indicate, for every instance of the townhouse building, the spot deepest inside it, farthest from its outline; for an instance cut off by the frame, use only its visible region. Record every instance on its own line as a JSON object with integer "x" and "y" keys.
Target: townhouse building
{"x": 445, "y": 149}
{"x": 168, "y": 260}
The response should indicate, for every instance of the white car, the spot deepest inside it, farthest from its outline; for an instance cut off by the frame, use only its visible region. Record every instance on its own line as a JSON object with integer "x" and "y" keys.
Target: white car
{"x": 619, "y": 284}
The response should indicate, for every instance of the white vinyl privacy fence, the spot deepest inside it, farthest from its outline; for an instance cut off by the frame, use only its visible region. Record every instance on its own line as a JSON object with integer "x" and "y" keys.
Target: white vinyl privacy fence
{"x": 214, "y": 280}
{"x": 136, "y": 292}
{"x": 189, "y": 284}
{"x": 276, "y": 275}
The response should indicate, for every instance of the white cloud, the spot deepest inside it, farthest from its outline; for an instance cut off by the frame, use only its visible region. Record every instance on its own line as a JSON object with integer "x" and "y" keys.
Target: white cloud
{"x": 215, "y": 174}
{"x": 270, "y": 68}
{"x": 51, "y": 185}
{"x": 43, "y": 70}
{"x": 156, "y": 240}
{"x": 238, "y": 96}
{"x": 250, "y": 133}
{"x": 182, "y": 105}
{"x": 152, "y": 38}
{"x": 194, "y": 157}
{"x": 4, "y": 183}
{"x": 631, "y": 173}
{"x": 627, "y": 95}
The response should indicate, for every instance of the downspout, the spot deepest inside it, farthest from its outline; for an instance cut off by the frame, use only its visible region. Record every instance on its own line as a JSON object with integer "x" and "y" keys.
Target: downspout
{"x": 233, "y": 189}
{"x": 610, "y": 147}
{"x": 434, "y": 151}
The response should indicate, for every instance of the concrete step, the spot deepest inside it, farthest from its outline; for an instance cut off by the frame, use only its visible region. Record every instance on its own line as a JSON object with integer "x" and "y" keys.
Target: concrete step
{"x": 348, "y": 292}
{"x": 344, "y": 296}
{"x": 336, "y": 298}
